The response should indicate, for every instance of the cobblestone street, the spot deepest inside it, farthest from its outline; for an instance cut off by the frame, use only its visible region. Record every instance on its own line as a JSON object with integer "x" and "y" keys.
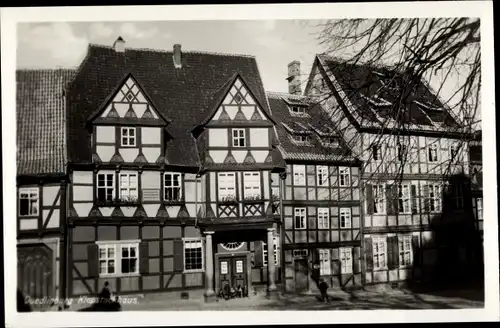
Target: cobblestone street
{"x": 357, "y": 300}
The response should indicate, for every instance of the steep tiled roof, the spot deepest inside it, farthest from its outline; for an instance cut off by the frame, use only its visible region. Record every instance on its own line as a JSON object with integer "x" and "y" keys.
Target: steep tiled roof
{"x": 375, "y": 95}
{"x": 315, "y": 124}
{"x": 181, "y": 94}
{"x": 41, "y": 120}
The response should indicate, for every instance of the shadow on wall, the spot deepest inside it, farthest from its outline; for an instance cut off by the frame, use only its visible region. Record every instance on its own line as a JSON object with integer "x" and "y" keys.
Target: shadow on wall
{"x": 452, "y": 256}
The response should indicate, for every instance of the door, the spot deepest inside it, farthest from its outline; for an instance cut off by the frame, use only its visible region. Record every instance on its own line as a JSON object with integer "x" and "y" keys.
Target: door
{"x": 301, "y": 275}
{"x": 239, "y": 272}
{"x": 35, "y": 274}
{"x": 225, "y": 273}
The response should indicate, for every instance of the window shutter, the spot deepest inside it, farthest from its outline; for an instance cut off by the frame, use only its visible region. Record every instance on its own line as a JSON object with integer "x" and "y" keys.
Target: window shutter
{"x": 178, "y": 255}
{"x": 258, "y": 258}
{"x": 355, "y": 260}
{"x": 369, "y": 199}
{"x": 316, "y": 264}
{"x": 144, "y": 257}
{"x": 390, "y": 253}
{"x": 389, "y": 199}
{"x": 395, "y": 198}
{"x": 414, "y": 200}
{"x": 416, "y": 251}
{"x": 369, "y": 253}
{"x": 93, "y": 260}
{"x": 425, "y": 192}
{"x": 393, "y": 245}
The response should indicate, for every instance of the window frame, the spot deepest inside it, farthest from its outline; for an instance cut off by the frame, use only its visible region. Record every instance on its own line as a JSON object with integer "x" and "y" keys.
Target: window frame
{"x": 323, "y": 215}
{"x": 112, "y": 187}
{"x": 458, "y": 198}
{"x": 120, "y": 187}
{"x": 343, "y": 211}
{"x": 276, "y": 251}
{"x": 238, "y": 137}
{"x": 344, "y": 176}
{"x": 376, "y": 151}
{"x": 302, "y": 216}
{"x": 172, "y": 186}
{"x": 401, "y": 150}
{"x": 128, "y": 137}
{"x": 376, "y": 199}
{"x": 299, "y": 178}
{"x": 221, "y": 186}
{"x": 404, "y": 198}
{"x": 28, "y": 191}
{"x": 346, "y": 264}
{"x": 375, "y": 242}
{"x": 322, "y": 175}
{"x": 246, "y": 185}
{"x": 435, "y": 197}
{"x": 325, "y": 261}
{"x": 117, "y": 246}
{"x": 192, "y": 240}
{"x": 405, "y": 240}
{"x": 432, "y": 149}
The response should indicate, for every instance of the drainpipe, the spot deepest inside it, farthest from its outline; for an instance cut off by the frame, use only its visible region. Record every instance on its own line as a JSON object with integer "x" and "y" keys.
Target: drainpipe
{"x": 282, "y": 232}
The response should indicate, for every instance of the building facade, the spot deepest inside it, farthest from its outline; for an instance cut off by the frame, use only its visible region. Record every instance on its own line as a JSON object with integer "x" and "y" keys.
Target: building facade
{"x": 418, "y": 221}
{"x": 41, "y": 183}
{"x": 171, "y": 158}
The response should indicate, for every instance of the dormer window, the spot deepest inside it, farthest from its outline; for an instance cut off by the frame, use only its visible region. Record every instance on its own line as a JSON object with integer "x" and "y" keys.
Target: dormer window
{"x": 128, "y": 137}
{"x": 300, "y": 138}
{"x": 330, "y": 142}
{"x": 297, "y": 110}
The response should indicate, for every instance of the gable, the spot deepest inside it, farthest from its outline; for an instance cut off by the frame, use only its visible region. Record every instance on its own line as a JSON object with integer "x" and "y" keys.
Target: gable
{"x": 239, "y": 105}
{"x": 130, "y": 101}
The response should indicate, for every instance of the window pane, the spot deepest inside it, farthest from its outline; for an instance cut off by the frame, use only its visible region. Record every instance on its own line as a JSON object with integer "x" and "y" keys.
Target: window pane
{"x": 132, "y": 132}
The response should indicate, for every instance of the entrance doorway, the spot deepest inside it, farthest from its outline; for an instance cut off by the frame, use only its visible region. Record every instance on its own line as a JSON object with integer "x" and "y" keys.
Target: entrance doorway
{"x": 233, "y": 272}
{"x": 301, "y": 275}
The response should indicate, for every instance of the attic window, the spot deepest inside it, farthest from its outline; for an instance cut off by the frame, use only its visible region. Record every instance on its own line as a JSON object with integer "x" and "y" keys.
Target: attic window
{"x": 330, "y": 142}
{"x": 298, "y": 110}
{"x": 300, "y": 138}
{"x": 238, "y": 98}
{"x": 129, "y": 96}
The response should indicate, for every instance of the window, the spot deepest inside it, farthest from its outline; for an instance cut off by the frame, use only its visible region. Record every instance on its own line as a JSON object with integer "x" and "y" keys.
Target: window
{"x": 300, "y": 138}
{"x": 299, "y": 175}
{"x": 28, "y": 201}
{"x": 128, "y": 137}
{"x": 376, "y": 152}
{"x": 479, "y": 202}
{"x": 454, "y": 152}
{"x": 119, "y": 259}
{"x": 276, "y": 251}
{"x": 345, "y": 218}
{"x": 346, "y": 260}
{"x": 432, "y": 152}
{"x": 330, "y": 142}
{"x": 323, "y": 218}
{"x": 432, "y": 198}
{"x": 379, "y": 199}
{"x": 128, "y": 186}
{"x": 379, "y": 253}
{"x": 193, "y": 255}
{"x": 301, "y": 110}
{"x": 401, "y": 152}
{"x": 251, "y": 183}
{"x": 325, "y": 261}
{"x": 300, "y": 218}
{"x": 105, "y": 186}
{"x": 172, "y": 186}
{"x": 239, "y": 138}
{"x": 458, "y": 195}
{"x": 344, "y": 176}
{"x": 404, "y": 205}
{"x": 227, "y": 186}
{"x": 405, "y": 252}
{"x": 322, "y": 176}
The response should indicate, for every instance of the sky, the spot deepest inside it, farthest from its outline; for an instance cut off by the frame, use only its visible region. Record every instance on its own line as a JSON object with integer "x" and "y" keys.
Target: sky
{"x": 274, "y": 43}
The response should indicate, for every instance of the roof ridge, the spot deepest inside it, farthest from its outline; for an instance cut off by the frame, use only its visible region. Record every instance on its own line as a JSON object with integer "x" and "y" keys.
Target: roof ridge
{"x": 170, "y": 51}
{"x": 50, "y": 69}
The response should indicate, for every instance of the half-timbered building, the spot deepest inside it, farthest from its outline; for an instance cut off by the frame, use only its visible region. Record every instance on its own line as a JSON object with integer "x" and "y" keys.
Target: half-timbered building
{"x": 417, "y": 204}
{"x": 41, "y": 184}
{"x": 321, "y": 233}
{"x": 171, "y": 158}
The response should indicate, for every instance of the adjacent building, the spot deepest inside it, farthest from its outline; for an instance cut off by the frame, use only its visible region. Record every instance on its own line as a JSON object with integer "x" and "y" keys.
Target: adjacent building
{"x": 41, "y": 183}
{"x": 415, "y": 179}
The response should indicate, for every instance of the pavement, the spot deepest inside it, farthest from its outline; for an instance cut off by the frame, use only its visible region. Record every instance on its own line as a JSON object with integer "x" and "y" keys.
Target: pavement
{"x": 386, "y": 298}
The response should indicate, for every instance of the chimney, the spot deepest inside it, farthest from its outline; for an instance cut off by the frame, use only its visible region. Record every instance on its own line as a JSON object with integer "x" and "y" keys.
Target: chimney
{"x": 293, "y": 78}
{"x": 177, "y": 56}
{"x": 119, "y": 45}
